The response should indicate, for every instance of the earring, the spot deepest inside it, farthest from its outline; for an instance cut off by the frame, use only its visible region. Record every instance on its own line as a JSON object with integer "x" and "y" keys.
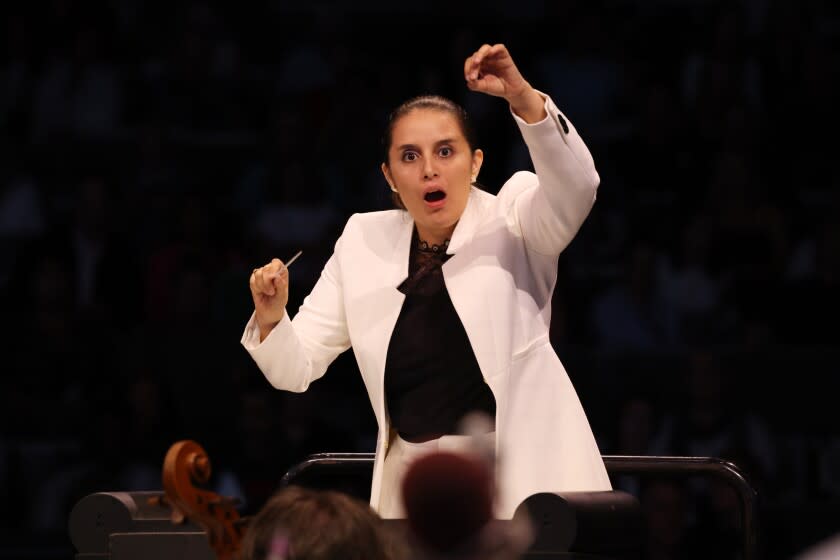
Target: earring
{"x": 392, "y": 188}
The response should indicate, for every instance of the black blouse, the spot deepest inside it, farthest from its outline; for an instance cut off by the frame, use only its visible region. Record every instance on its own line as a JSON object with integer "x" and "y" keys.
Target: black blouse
{"x": 432, "y": 378}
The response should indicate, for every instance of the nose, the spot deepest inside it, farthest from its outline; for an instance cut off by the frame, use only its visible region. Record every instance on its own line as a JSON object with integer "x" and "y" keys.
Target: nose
{"x": 429, "y": 171}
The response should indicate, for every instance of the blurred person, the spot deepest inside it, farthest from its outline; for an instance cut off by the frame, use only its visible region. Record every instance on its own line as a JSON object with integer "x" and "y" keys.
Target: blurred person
{"x": 749, "y": 244}
{"x": 582, "y": 66}
{"x": 304, "y": 524}
{"x": 284, "y": 194}
{"x": 722, "y": 72}
{"x": 667, "y": 511}
{"x": 106, "y": 265}
{"x": 23, "y": 215}
{"x": 178, "y": 346}
{"x": 446, "y": 301}
{"x": 810, "y": 304}
{"x": 273, "y": 432}
{"x": 41, "y": 403}
{"x": 7, "y": 493}
{"x": 17, "y": 71}
{"x": 632, "y": 314}
{"x": 648, "y": 204}
{"x": 719, "y": 512}
{"x": 711, "y": 421}
{"x": 692, "y": 287}
{"x": 150, "y": 424}
{"x": 303, "y": 218}
{"x": 636, "y": 423}
{"x": 21, "y": 207}
{"x": 102, "y": 267}
{"x": 179, "y": 274}
{"x": 77, "y": 96}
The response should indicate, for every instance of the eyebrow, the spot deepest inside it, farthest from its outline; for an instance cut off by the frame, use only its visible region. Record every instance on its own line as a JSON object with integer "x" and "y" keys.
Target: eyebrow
{"x": 438, "y": 143}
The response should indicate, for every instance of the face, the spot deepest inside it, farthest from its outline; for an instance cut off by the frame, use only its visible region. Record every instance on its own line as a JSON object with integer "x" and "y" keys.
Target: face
{"x": 431, "y": 166}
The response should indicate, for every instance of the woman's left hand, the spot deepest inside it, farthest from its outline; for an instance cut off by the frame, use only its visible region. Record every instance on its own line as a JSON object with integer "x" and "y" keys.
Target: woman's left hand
{"x": 491, "y": 70}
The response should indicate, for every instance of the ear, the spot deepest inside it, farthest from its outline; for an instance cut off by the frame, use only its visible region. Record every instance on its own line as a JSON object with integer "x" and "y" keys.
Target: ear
{"x": 477, "y": 160}
{"x": 387, "y": 173}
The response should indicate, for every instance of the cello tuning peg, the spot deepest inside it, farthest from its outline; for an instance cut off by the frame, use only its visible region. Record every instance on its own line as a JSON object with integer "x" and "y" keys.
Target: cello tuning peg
{"x": 177, "y": 516}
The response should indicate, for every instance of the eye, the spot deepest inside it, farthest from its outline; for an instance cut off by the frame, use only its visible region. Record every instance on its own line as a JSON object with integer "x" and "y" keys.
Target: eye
{"x": 410, "y": 156}
{"x": 445, "y": 151}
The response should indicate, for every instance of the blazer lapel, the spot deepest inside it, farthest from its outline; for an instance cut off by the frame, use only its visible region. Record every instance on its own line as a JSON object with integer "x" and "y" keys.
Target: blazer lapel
{"x": 398, "y": 262}
{"x": 463, "y": 281}
{"x": 465, "y": 229}
{"x": 390, "y": 301}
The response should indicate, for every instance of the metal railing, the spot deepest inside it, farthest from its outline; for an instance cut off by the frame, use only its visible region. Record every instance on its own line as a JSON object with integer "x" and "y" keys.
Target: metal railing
{"x": 640, "y": 465}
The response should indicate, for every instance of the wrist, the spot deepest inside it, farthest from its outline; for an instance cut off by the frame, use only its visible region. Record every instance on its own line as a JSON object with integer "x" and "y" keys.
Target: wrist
{"x": 529, "y": 105}
{"x": 266, "y": 327}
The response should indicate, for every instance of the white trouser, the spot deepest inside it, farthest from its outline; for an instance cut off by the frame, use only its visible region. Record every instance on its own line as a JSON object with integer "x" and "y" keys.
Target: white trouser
{"x": 402, "y": 453}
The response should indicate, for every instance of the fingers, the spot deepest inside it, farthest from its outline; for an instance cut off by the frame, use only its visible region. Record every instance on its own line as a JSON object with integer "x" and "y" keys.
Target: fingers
{"x": 269, "y": 278}
{"x": 488, "y": 70}
{"x": 473, "y": 64}
{"x": 495, "y": 52}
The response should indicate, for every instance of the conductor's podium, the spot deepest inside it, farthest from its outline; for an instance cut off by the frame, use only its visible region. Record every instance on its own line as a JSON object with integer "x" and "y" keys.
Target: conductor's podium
{"x": 134, "y": 526}
{"x": 571, "y": 525}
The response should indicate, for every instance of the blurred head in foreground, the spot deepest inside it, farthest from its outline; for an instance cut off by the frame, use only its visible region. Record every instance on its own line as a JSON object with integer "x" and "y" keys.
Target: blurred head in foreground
{"x": 449, "y": 508}
{"x": 303, "y": 524}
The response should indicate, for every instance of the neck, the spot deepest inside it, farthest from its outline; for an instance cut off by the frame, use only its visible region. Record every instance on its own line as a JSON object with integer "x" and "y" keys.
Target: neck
{"x": 434, "y": 237}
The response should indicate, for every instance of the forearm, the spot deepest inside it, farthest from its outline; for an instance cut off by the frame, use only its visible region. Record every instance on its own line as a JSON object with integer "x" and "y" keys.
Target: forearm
{"x": 529, "y": 105}
{"x": 280, "y": 355}
{"x": 551, "y": 214}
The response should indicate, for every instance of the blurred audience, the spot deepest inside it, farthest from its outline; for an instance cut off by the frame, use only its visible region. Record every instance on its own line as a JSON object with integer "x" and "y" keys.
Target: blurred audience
{"x": 711, "y": 418}
{"x": 150, "y": 152}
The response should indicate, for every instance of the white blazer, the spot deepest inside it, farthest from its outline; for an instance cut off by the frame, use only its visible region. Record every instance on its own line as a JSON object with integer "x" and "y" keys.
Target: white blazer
{"x": 500, "y": 279}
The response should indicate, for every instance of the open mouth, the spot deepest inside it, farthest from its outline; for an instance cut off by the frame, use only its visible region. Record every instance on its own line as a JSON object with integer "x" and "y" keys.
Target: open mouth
{"x": 434, "y": 196}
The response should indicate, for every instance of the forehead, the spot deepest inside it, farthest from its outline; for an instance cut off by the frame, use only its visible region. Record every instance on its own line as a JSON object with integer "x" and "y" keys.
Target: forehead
{"x": 426, "y": 125}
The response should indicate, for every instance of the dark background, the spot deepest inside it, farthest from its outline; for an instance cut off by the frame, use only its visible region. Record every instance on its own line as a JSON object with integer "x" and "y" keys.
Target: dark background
{"x": 154, "y": 152}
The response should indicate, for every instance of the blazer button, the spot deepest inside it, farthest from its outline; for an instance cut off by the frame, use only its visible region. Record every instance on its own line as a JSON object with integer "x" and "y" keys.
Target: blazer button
{"x": 563, "y": 123}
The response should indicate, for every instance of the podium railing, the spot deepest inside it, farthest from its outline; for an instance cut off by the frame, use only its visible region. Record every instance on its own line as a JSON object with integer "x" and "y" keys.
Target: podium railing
{"x": 640, "y": 465}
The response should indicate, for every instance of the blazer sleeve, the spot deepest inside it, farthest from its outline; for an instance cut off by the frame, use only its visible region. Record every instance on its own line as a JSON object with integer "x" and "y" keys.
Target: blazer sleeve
{"x": 298, "y": 351}
{"x": 549, "y": 209}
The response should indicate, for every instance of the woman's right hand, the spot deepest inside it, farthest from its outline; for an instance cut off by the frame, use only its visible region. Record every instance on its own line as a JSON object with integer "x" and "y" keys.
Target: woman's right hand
{"x": 270, "y": 291}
